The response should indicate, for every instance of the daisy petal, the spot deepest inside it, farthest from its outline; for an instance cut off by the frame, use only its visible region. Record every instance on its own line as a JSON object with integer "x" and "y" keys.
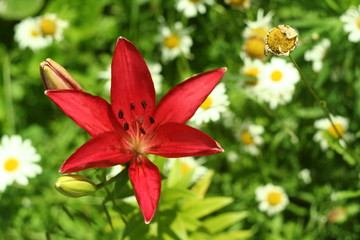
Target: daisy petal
{"x": 90, "y": 112}
{"x": 101, "y": 151}
{"x": 177, "y": 140}
{"x": 132, "y": 89}
{"x": 146, "y": 181}
{"x": 181, "y": 102}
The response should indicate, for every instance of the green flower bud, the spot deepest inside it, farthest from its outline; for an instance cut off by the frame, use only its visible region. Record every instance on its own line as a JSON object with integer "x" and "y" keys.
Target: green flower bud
{"x": 75, "y": 186}
{"x": 54, "y": 76}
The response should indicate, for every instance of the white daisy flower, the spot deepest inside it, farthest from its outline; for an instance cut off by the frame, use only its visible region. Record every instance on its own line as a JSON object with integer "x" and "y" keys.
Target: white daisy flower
{"x": 317, "y": 54}
{"x": 250, "y": 136}
{"x": 260, "y": 27}
{"x": 341, "y": 124}
{"x": 272, "y": 199}
{"x": 251, "y": 70}
{"x": 305, "y": 176}
{"x": 276, "y": 82}
{"x": 351, "y": 19}
{"x": 215, "y": 104}
{"x": 18, "y": 161}
{"x": 240, "y": 4}
{"x": 51, "y": 25}
{"x": 28, "y": 35}
{"x": 155, "y": 71}
{"x": 191, "y": 8}
{"x": 188, "y": 164}
{"x": 174, "y": 42}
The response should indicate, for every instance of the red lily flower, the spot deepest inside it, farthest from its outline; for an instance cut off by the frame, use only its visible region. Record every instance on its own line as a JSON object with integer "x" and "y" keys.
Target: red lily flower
{"x": 131, "y": 126}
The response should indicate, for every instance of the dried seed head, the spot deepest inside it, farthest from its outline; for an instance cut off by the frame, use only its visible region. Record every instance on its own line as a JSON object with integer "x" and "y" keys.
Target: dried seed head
{"x": 281, "y": 40}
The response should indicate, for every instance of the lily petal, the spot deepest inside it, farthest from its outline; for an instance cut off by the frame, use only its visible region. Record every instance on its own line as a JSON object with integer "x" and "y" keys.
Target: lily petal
{"x": 101, "y": 151}
{"x": 90, "y": 112}
{"x": 182, "y": 101}
{"x": 146, "y": 181}
{"x": 132, "y": 89}
{"x": 178, "y": 140}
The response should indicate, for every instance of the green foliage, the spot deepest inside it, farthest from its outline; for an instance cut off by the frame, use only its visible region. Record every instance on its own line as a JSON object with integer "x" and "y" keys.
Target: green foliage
{"x": 222, "y": 203}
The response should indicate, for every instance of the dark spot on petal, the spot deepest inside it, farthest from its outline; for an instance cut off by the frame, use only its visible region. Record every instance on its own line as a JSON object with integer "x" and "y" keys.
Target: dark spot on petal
{"x": 144, "y": 104}
{"x": 152, "y": 120}
{"x": 132, "y": 106}
{"x": 126, "y": 126}
{"x": 121, "y": 114}
{"x": 142, "y": 131}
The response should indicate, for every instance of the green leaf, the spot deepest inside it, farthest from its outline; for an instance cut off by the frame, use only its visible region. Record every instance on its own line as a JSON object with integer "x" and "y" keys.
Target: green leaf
{"x": 335, "y": 145}
{"x": 178, "y": 227}
{"x": 177, "y": 178}
{"x": 199, "y": 208}
{"x": 170, "y": 196}
{"x": 202, "y": 185}
{"x": 341, "y": 195}
{"x": 219, "y": 223}
{"x": 233, "y": 235}
{"x": 19, "y": 9}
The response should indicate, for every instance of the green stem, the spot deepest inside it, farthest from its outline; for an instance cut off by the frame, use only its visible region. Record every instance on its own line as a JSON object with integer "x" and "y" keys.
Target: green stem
{"x": 8, "y": 95}
{"x": 117, "y": 177}
{"x": 322, "y": 103}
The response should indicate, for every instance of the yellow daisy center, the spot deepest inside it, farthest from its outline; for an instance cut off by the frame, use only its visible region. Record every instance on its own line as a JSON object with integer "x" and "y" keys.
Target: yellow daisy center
{"x": 34, "y": 32}
{"x": 276, "y": 76}
{"x": 172, "y": 41}
{"x": 11, "y": 164}
{"x": 246, "y": 138}
{"x": 339, "y": 128}
{"x": 281, "y": 40}
{"x": 48, "y": 26}
{"x": 274, "y": 198}
{"x": 195, "y": 1}
{"x": 251, "y": 72}
{"x": 259, "y": 32}
{"x": 185, "y": 168}
{"x": 358, "y": 23}
{"x": 254, "y": 47}
{"x": 237, "y": 2}
{"x": 207, "y": 103}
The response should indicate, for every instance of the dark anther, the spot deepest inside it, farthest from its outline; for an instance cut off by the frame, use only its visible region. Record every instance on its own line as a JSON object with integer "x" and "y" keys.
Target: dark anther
{"x": 151, "y": 120}
{"x": 121, "y": 114}
{"x": 142, "y": 131}
{"x": 126, "y": 126}
{"x": 144, "y": 104}
{"x": 132, "y": 107}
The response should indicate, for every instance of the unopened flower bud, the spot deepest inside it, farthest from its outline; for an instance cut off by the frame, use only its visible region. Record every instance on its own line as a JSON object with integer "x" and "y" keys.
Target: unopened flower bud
{"x": 281, "y": 40}
{"x": 75, "y": 186}
{"x": 55, "y": 76}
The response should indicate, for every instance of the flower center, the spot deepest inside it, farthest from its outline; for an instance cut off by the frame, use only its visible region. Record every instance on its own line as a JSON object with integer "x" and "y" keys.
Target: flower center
{"x": 34, "y": 32}
{"x": 252, "y": 72}
{"x": 276, "y": 76}
{"x": 254, "y": 47}
{"x": 185, "y": 168}
{"x": 358, "y": 22}
{"x": 339, "y": 128}
{"x": 48, "y": 26}
{"x": 207, "y": 103}
{"x": 172, "y": 41}
{"x": 259, "y": 32}
{"x": 237, "y": 2}
{"x": 246, "y": 138}
{"x": 195, "y": 1}
{"x": 11, "y": 164}
{"x": 281, "y": 40}
{"x": 274, "y": 198}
